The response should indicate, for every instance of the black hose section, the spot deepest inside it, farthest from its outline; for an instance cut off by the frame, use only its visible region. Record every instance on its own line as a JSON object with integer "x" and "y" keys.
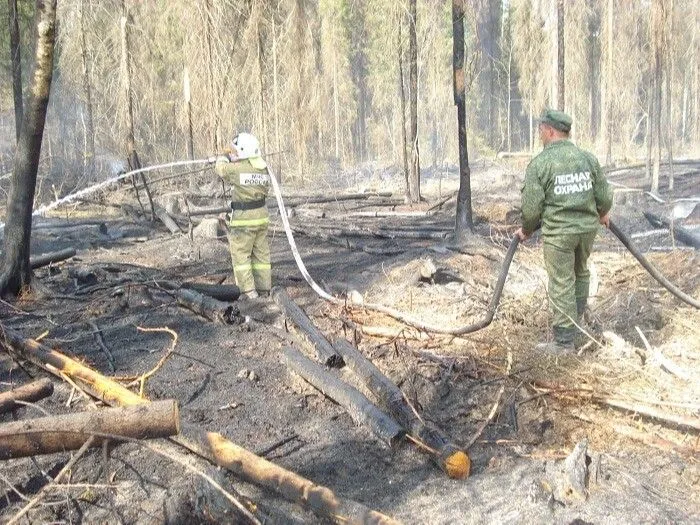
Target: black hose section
{"x": 497, "y": 292}
{"x": 655, "y": 273}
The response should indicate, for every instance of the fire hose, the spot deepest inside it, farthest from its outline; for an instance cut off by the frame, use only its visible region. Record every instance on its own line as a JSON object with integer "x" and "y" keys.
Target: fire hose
{"x": 391, "y": 312}
{"x": 498, "y": 290}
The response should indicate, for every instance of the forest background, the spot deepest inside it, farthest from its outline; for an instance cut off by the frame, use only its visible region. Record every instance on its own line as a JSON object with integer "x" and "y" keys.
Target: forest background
{"x": 326, "y": 84}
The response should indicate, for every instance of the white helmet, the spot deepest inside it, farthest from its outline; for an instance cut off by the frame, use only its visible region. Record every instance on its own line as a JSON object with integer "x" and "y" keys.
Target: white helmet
{"x": 246, "y": 146}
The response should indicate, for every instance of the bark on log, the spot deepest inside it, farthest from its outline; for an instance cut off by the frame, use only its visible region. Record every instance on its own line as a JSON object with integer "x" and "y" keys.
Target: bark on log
{"x": 324, "y": 350}
{"x": 166, "y": 219}
{"x": 679, "y": 232}
{"x": 51, "y": 257}
{"x": 361, "y": 409}
{"x": 210, "y": 445}
{"x": 291, "y": 486}
{"x": 449, "y": 457}
{"x": 55, "y": 362}
{"x": 48, "y": 435}
{"x": 207, "y": 307}
{"x": 29, "y": 392}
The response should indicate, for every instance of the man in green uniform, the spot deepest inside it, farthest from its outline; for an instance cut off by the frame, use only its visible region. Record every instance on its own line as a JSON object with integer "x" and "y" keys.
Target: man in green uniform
{"x": 247, "y": 173}
{"x": 566, "y": 192}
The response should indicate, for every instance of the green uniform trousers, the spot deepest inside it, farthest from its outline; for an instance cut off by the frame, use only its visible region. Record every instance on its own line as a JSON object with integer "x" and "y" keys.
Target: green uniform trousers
{"x": 250, "y": 254}
{"x": 565, "y": 257}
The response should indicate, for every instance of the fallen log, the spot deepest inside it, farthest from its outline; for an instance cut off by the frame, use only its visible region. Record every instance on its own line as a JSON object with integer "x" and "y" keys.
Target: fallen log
{"x": 220, "y": 292}
{"x": 348, "y": 244}
{"x": 57, "y": 363}
{"x": 324, "y": 350}
{"x": 292, "y": 201}
{"x": 209, "y": 445}
{"x": 48, "y": 435}
{"x": 30, "y": 393}
{"x": 51, "y": 257}
{"x": 207, "y": 307}
{"x": 167, "y": 220}
{"x": 679, "y": 232}
{"x": 321, "y": 500}
{"x": 381, "y": 213}
{"x": 449, "y": 457}
{"x": 361, "y": 409}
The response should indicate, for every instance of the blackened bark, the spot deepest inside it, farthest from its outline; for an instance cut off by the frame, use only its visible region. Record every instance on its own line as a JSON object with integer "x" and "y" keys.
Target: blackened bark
{"x": 16, "y": 270}
{"x": 464, "y": 222}
{"x": 414, "y": 178}
{"x": 16, "y": 63}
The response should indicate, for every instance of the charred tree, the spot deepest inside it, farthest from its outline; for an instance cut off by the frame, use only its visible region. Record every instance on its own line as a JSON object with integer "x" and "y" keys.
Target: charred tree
{"x": 16, "y": 271}
{"x": 464, "y": 222}
{"x": 414, "y": 175}
{"x": 15, "y": 56}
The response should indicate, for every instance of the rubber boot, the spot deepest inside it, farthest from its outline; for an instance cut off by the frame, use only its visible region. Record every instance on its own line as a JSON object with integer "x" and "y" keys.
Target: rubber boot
{"x": 562, "y": 344}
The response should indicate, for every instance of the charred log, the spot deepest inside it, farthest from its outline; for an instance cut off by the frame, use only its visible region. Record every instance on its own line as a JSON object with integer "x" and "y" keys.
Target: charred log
{"x": 324, "y": 350}
{"x": 447, "y": 455}
{"x": 361, "y": 409}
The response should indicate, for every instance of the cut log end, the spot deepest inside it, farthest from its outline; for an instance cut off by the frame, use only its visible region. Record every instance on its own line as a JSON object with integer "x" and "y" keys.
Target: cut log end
{"x": 457, "y": 465}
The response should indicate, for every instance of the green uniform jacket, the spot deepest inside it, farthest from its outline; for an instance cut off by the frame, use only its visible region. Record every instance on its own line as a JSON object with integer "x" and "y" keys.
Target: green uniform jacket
{"x": 249, "y": 184}
{"x": 565, "y": 190}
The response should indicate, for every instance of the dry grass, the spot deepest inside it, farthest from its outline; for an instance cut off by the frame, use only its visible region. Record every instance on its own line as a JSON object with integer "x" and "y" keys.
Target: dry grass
{"x": 627, "y": 297}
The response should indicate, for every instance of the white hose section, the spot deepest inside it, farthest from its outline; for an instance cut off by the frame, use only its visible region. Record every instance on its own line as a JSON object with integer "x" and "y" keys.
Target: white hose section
{"x": 90, "y": 189}
{"x": 293, "y": 245}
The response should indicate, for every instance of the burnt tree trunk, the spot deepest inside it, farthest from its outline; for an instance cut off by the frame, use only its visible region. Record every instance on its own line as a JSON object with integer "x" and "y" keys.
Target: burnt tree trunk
{"x": 324, "y": 350}
{"x": 454, "y": 461}
{"x": 16, "y": 58}
{"x": 414, "y": 176}
{"x": 16, "y": 271}
{"x": 361, "y": 409}
{"x": 464, "y": 222}
{"x": 51, "y": 257}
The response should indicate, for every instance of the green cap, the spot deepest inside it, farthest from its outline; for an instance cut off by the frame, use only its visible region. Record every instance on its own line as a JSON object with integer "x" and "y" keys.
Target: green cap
{"x": 557, "y": 119}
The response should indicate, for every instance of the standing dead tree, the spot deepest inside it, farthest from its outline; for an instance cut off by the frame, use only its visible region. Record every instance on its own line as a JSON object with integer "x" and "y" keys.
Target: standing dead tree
{"x": 16, "y": 272}
{"x": 464, "y": 222}
{"x": 132, "y": 155}
{"x": 414, "y": 176}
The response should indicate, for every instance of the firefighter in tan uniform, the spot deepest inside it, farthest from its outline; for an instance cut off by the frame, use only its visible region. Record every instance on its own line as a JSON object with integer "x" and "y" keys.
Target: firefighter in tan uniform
{"x": 247, "y": 173}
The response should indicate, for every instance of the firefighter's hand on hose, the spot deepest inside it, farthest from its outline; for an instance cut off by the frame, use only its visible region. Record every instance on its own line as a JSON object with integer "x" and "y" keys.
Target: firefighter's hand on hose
{"x": 522, "y": 235}
{"x": 605, "y": 220}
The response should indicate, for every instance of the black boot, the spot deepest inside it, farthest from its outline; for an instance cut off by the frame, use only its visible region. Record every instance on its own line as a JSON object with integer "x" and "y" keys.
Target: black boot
{"x": 563, "y": 342}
